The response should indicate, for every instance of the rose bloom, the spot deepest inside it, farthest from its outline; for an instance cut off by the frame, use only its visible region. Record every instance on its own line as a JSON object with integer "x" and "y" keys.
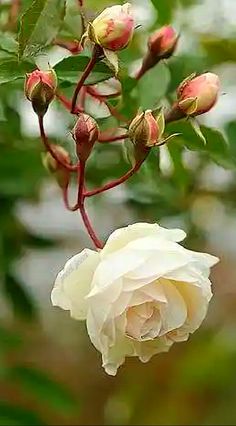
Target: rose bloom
{"x": 141, "y": 293}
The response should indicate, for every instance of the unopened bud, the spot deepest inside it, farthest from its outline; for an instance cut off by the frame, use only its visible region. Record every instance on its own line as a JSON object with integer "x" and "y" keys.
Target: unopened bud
{"x": 163, "y": 43}
{"x": 40, "y": 88}
{"x": 113, "y": 28}
{"x": 197, "y": 95}
{"x": 85, "y": 134}
{"x": 145, "y": 131}
{"x": 61, "y": 174}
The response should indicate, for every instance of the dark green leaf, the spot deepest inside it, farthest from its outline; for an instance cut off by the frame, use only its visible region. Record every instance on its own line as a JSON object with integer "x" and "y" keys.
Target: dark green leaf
{"x": 20, "y": 300}
{"x": 11, "y": 70}
{"x": 17, "y": 416}
{"x": 70, "y": 70}
{"x": 44, "y": 388}
{"x": 39, "y": 26}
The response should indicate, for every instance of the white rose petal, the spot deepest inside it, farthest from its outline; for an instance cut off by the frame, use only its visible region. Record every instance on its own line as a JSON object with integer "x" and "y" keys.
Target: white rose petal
{"x": 141, "y": 293}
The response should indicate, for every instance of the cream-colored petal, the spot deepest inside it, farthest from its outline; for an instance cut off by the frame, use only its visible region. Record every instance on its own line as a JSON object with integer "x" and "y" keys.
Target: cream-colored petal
{"x": 119, "y": 238}
{"x": 174, "y": 312}
{"x": 196, "y": 303}
{"x": 73, "y": 283}
{"x": 146, "y": 350}
{"x": 114, "y": 267}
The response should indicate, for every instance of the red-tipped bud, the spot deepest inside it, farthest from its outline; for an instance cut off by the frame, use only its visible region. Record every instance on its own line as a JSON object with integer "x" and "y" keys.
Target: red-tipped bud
{"x": 197, "y": 95}
{"x": 146, "y": 131}
{"x": 61, "y": 174}
{"x": 113, "y": 28}
{"x": 40, "y": 88}
{"x": 85, "y": 134}
{"x": 163, "y": 43}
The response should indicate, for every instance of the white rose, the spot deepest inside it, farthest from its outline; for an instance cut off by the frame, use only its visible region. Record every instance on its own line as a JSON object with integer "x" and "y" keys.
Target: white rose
{"x": 141, "y": 293}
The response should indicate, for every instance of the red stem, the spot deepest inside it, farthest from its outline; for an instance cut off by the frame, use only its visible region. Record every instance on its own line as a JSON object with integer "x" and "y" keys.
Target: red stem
{"x": 67, "y": 103}
{"x": 85, "y": 74}
{"x": 104, "y": 139}
{"x": 48, "y": 147}
{"x": 115, "y": 182}
{"x": 98, "y": 244}
{"x": 66, "y": 201}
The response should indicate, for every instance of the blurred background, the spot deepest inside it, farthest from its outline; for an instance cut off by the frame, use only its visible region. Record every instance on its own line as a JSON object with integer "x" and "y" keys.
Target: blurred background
{"x": 49, "y": 371}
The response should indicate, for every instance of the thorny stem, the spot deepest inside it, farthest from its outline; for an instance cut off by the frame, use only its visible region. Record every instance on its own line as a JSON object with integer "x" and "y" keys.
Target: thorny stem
{"x": 98, "y": 244}
{"x": 87, "y": 71}
{"x": 115, "y": 182}
{"x": 48, "y": 147}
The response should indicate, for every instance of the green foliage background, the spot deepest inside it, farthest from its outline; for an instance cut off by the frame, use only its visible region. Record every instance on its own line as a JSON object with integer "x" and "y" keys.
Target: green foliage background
{"x": 49, "y": 372}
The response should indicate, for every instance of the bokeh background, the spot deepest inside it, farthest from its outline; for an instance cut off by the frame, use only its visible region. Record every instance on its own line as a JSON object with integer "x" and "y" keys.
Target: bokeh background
{"x": 49, "y": 371}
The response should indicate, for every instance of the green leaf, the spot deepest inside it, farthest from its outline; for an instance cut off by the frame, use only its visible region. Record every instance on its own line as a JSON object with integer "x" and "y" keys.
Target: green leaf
{"x": 70, "y": 69}
{"x": 216, "y": 145}
{"x": 11, "y": 70}
{"x": 44, "y": 388}
{"x": 19, "y": 298}
{"x": 8, "y": 43}
{"x": 17, "y": 416}
{"x": 153, "y": 86}
{"x": 39, "y": 26}
{"x": 165, "y": 11}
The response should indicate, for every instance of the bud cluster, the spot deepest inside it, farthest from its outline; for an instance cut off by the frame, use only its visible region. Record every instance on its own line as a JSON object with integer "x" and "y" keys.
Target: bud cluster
{"x": 109, "y": 32}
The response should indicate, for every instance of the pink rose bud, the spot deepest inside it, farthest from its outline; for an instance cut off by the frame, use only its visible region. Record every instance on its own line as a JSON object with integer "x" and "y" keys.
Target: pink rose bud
{"x": 146, "y": 131}
{"x": 61, "y": 174}
{"x": 85, "y": 134}
{"x": 40, "y": 88}
{"x": 197, "y": 95}
{"x": 163, "y": 43}
{"x": 113, "y": 28}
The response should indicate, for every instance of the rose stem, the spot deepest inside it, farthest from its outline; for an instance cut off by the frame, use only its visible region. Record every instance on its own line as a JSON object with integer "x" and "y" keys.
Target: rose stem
{"x": 48, "y": 147}
{"x": 14, "y": 13}
{"x": 66, "y": 201}
{"x": 87, "y": 71}
{"x": 115, "y": 182}
{"x": 104, "y": 139}
{"x": 81, "y": 175}
{"x": 66, "y": 102}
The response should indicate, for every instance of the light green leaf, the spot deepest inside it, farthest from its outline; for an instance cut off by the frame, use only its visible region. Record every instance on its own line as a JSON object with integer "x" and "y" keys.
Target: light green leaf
{"x": 153, "y": 86}
{"x": 112, "y": 60}
{"x": 8, "y": 43}
{"x": 39, "y": 25}
{"x": 70, "y": 70}
{"x": 197, "y": 129}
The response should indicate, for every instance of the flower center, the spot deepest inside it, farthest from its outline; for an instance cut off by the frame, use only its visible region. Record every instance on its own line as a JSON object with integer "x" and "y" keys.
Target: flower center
{"x": 143, "y": 321}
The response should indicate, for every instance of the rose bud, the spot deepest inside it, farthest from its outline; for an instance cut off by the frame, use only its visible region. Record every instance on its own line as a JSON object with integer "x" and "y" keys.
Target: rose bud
{"x": 146, "y": 131}
{"x": 40, "y": 88}
{"x": 61, "y": 174}
{"x": 85, "y": 134}
{"x": 113, "y": 28}
{"x": 161, "y": 45}
{"x": 197, "y": 95}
